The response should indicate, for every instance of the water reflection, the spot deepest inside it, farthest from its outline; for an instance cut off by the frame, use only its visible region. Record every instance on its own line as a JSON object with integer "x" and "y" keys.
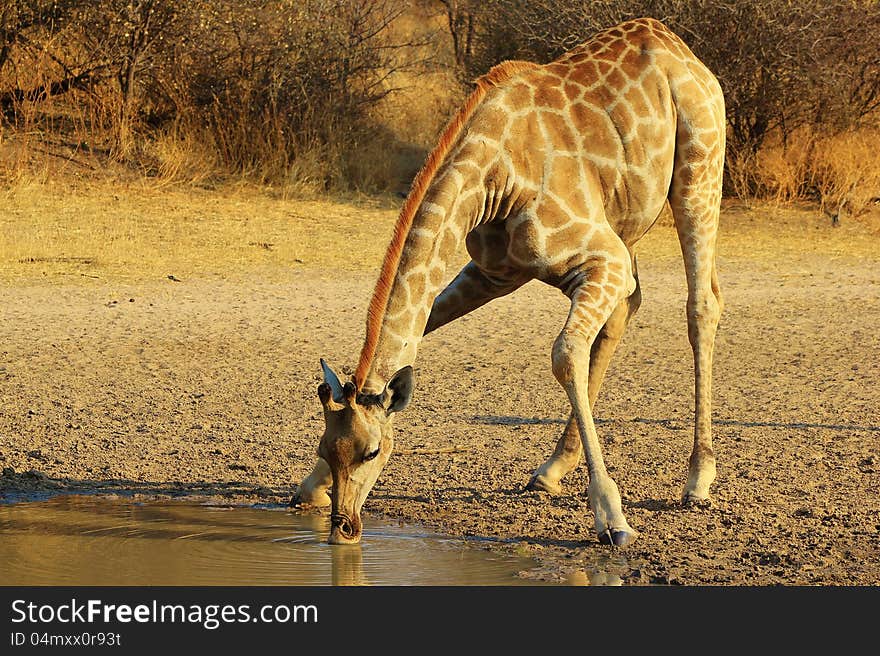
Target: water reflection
{"x": 87, "y": 540}
{"x": 601, "y": 568}
{"x": 595, "y": 577}
{"x": 348, "y": 565}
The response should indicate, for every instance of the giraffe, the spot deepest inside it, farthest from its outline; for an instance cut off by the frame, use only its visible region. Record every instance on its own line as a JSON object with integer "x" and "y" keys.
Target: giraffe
{"x": 548, "y": 172}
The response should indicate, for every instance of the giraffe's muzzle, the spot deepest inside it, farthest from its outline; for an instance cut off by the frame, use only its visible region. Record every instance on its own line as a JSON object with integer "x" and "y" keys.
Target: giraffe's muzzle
{"x": 344, "y": 530}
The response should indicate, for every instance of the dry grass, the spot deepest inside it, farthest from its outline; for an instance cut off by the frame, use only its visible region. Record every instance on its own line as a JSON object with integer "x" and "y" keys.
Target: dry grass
{"x": 248, "y": 94}
{"x": 841, "y": 172}
{"x": 847, "y": 173}
{"x": 65, "y": 233}
{"x": 407, "y": 126}
{"x": 766, "y": 231}
{"x": 110, "y": 232}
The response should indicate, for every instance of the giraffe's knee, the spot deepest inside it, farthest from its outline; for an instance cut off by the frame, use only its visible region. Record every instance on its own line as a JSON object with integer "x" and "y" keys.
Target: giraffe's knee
{"x": 570, "y": 353}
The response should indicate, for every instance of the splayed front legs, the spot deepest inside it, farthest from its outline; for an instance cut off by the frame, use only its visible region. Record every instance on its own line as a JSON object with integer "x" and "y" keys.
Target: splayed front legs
{"x": 592, "y": 303}
{"x": 472, "y": 288}
{"x": 567, "y": 454}
{"x": 315, "y": 489}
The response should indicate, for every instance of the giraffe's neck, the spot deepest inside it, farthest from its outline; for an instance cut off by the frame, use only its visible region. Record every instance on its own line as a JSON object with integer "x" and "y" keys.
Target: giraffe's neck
{"x": 446, "y": 201}
{"x": 452, "y": 205}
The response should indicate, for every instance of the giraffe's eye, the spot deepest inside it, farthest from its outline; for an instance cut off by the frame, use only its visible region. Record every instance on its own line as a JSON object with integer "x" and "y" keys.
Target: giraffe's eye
{"x": 372, "y": 454}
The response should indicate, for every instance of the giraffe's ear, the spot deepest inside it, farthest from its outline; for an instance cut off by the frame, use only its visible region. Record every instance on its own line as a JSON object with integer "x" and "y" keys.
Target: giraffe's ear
{"x": 399, "y": 390}
{"x": 332, "y": 380}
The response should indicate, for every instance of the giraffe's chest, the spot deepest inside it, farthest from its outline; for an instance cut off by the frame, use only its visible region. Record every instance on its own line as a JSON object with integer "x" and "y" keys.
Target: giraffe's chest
{"x": 528, "y": 247}
{"x": 488, "y": 245}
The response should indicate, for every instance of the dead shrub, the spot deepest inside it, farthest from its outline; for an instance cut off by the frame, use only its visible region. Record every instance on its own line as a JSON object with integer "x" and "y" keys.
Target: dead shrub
{"x": 839, "y": 171}
{"x": 845, "y": 173}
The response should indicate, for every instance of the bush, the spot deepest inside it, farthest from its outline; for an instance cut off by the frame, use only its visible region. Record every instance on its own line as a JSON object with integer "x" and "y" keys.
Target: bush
{"x": 276, "y": 90}
{"x": 784, "y": 66}
{"x": 840, "y": 172}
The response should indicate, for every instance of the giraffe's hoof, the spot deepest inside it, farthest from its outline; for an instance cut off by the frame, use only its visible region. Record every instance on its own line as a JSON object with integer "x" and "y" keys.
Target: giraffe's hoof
{"x": 301, "y": 499}
{"x": 617, "y": 538}
{"x": 692, "y": 500}
{"x": 539, "y": 483}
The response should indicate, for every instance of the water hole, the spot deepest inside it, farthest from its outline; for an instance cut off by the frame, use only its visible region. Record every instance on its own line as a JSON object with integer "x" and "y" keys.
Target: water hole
{"x": 73, "y": 540}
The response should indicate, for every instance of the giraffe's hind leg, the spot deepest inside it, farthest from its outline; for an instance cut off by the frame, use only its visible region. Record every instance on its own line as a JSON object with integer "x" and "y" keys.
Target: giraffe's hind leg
{"x": 695, "y": 199}
{"x": 567, "y": 454}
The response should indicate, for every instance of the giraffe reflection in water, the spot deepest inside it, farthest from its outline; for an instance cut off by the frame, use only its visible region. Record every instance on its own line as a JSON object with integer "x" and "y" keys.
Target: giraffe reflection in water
{"x": 348, "y": 565}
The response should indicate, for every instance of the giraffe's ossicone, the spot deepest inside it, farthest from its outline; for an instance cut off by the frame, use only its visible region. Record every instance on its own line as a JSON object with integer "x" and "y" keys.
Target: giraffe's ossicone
{"x": 550, "y": 172}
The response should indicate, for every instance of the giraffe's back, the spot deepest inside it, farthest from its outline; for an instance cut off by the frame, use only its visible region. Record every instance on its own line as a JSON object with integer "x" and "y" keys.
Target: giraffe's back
{"x": 591, "y": 137}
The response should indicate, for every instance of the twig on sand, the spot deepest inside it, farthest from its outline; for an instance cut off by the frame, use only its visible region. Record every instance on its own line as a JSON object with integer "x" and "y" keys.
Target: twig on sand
{"x": 448, "y": 449}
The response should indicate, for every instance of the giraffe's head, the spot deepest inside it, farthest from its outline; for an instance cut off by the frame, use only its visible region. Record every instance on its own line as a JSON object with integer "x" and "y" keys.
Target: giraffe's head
{"x": 356, "y": 443}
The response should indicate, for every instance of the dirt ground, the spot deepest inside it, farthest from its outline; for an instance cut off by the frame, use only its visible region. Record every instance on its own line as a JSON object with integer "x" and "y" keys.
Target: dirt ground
{"x": 204, "y": 384}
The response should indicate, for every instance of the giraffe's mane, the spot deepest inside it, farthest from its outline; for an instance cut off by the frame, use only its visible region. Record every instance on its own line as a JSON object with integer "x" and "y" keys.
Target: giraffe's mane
{"x": 382, "y": 292}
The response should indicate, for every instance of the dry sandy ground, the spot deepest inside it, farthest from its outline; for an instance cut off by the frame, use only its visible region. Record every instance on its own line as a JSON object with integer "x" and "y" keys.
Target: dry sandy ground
{"x": 207, "y": 386}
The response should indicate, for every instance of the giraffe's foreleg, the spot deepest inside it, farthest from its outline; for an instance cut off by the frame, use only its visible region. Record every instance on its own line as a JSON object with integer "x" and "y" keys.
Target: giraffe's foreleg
{"x": 314, "y": 489}
{"x": 567, "y": 454}
{"x": 565, "y": 458}
{"x": 470, "y": 289}
{"x": 592, "y": 303}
